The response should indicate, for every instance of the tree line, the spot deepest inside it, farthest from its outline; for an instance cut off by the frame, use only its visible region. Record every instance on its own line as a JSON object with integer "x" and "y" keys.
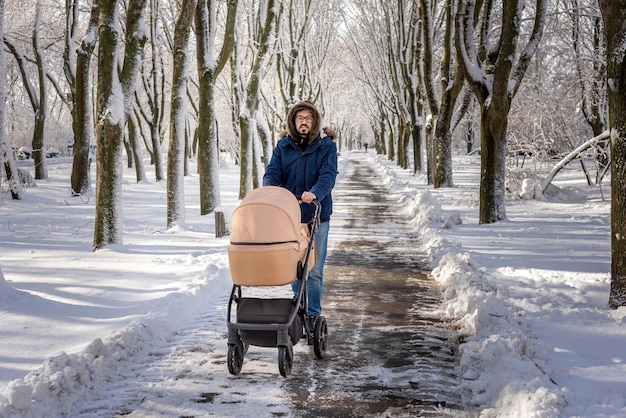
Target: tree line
{"x": 164, "y": 82}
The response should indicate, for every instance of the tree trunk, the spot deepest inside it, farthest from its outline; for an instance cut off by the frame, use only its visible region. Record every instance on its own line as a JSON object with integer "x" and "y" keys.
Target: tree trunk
{"x": 245, "y": 157}
{"x": 6, "y": 153}
{"x": 442, "y": 152}
{"x": 154, "y": 90}
{"x": 109, "y": 133}
{"x": 391, "y": 148}
{"x": 176, "y": 152}
{"x": 381, "y": 147}
{"x": 135, "y": 146}
{"x": 405, "y": 141}
{"x": 39, "y": 139}
{"x": 442, "y": 142}
{"x": 430, "y": 156}
{"x": 80, "y": 179}
{"x": 614, "y": 15}
{"x": 265, "y": 137}
{"x": 157, "y": 158}
{"x": 400, "y": 154}
{"x": 492, "y": 164}
{"x": 111, "y": 117}
{"x": 10, "y": 168}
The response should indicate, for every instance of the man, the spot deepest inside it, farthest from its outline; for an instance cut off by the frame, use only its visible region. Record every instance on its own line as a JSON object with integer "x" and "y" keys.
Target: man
{"x": 306, "y": 164}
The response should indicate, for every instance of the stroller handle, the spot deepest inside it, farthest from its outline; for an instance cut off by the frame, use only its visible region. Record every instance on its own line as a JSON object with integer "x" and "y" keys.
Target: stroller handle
{"x": 318, "y": 209}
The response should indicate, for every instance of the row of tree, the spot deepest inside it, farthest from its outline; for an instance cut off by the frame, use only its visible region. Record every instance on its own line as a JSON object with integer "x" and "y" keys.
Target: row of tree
{"x": 433, "y": 59}
{"x": 408, "y": 73}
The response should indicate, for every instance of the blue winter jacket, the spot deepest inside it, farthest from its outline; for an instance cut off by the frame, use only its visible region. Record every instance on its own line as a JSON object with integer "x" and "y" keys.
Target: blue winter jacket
{"x": 313, "y": 170}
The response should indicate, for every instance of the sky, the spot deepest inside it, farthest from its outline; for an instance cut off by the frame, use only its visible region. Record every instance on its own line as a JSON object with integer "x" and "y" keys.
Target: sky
{"x": 529, "y": 296}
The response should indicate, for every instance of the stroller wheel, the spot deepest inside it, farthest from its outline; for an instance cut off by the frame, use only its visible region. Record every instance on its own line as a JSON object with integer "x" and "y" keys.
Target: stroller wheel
{"x": 285, "y": 360}
{"x": 320, "y": 336}
{"x": 235, "y": 358}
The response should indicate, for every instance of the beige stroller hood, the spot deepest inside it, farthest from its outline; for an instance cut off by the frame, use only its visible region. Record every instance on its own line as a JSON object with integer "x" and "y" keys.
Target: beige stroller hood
{"x": 267, "y": 240}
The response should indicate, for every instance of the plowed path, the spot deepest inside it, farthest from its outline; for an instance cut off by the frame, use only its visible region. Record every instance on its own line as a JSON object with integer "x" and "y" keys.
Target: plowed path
{"x": 388, "y": 354}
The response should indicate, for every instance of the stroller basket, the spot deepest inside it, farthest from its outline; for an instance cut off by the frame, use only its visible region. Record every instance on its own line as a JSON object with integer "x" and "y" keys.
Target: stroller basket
{"x": 267, "y": 311}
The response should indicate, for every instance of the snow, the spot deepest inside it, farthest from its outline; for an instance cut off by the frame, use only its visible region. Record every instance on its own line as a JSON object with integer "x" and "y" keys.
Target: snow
{"x": 529, "y": 295}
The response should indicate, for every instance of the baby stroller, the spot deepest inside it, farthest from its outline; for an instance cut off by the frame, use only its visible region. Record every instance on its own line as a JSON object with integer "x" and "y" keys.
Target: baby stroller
{"x": 270, "y": 247}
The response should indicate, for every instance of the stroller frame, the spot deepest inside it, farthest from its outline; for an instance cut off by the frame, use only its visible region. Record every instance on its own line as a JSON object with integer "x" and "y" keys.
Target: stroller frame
{"x": 276, "y": 329}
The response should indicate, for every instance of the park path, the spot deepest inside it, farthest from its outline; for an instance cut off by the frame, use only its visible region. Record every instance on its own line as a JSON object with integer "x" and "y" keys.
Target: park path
{"x": 389, "y": 353}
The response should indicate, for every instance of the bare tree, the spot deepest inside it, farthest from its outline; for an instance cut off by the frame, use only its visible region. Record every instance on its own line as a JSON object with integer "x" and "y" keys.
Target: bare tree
{"x": 590, "y": 68}
{"x": 261, "y": 24}
{"x": 614, "y": 15}
{"x": 112, "y": 101}
{"x": 307, "y": 59}
{"x": 302, "y": 48}
{"x": 178, "y": 118}
{"x": 153, "y": 82}
{"x": 365, "y": 43}
{"x": 136, "y": 38}
{"x": 442, "y": 104}
{"x": 495, "y": 78}
{"x": 402, "y": 43}
{"x": 78, "y": 76}
{"x": 38, "y": 96}
{"x": 6, "y": 153}
{"x": 295, "y": 22}
{"x": 208, "y": 70}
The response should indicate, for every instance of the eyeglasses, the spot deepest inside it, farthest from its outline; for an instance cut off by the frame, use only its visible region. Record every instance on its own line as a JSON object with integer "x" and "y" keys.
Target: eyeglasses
{"x": 307, "y": 119}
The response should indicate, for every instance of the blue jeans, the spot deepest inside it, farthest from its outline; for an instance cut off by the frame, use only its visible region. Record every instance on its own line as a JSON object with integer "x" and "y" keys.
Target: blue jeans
{"x": 316, "y": 275}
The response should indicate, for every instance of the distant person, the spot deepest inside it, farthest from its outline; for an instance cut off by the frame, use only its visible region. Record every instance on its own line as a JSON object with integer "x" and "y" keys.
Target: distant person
{"x": 366, "y": 145}
{"x": 305, "y": 163}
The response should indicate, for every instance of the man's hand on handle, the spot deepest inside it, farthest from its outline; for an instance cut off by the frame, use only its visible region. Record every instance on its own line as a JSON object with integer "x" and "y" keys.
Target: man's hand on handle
{"x": 308, "y": 197}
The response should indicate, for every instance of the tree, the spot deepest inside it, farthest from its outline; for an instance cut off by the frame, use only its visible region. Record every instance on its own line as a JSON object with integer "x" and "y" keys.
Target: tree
{"x": 38, "y": 99}
{"x": 451, "y": 82}
{"x": 79, "y": 79}
{"x": 402, "y": 43}
{"x": 176, "y": 152}
{"x": 208, "y": 70}
{"x": 365, "y": 44}
{"x": 6, "y": 153}
{"x": 303, "y": 43}
{"x": 586, "y": 42}
{"x": 495, "y": 78}
{"x": 249, "y": 88}
{"x": 614, "y": 16}
{"x": 112, "y": 99}
{"x": 153, "y": 83}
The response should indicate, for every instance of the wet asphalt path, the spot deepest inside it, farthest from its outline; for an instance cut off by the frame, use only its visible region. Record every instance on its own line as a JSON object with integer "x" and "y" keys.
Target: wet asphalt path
{"x": 385, "y": 336}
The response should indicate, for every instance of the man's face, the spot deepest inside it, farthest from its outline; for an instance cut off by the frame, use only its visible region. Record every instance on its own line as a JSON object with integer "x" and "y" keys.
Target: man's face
{"x": 304, "y": 121}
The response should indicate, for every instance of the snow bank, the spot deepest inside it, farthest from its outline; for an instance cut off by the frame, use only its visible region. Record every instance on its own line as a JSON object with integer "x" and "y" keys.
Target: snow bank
{"x": 502, "y": 365}
{"x": 68, "y": 380}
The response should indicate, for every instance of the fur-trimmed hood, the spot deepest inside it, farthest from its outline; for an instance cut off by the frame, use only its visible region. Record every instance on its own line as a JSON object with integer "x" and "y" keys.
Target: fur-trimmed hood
{"x": 315, "y": 128}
